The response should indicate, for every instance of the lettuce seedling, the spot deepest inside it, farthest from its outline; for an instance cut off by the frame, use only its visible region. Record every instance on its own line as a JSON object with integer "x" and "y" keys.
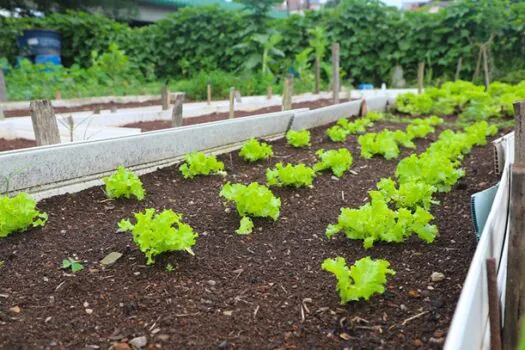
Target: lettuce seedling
{"x": 298, "y": 138}
{"x": 375, "y": 221}
{"x": 124, "y": 183}
{"x": 409, "y": 195}
{"x": 384, "y": 144}
{"x": 362, "y": 280}
{"x": 157, "y": 233}
{"x": 339, "y": 161}
{"x": 252, "y": 200}
{"x": 290, "y": 175}
{"x": 197, "y": 163}
{"x": 337, "y": 133}
{"x": 72, "y": 264}
{"x": 254, "y": 150}
{"x": 18, "y": 214}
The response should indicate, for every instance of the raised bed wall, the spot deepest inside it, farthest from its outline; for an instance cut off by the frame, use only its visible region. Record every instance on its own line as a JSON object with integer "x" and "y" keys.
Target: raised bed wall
{"x": 470, "y": 326}
{"x": 47, "y": 171}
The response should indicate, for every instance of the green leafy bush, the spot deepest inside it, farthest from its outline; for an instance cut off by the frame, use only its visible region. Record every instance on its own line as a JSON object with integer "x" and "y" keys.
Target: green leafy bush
{"x": 124, "y": 183}
{"x": 362, "y": 280}
{"x": 252, "y": 200}
{"x": 254, "y": 150}
{"x": 337, "y": 133}
{"x": 298, "y": 138}
{"x": 290, "y": 175}
{"x": 375, "y": 221}
{"x": 197, "y": 163}
{"x": 19, "y": 213}
{"x": 339, "y": 161}
{"x": 157, "y": 233}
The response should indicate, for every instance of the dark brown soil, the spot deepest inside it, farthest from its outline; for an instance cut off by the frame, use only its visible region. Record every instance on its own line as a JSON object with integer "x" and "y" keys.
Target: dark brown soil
{"x": 164, "y": 124}
{"x": 9, "y": 145}
{"x": 238, "y": 292}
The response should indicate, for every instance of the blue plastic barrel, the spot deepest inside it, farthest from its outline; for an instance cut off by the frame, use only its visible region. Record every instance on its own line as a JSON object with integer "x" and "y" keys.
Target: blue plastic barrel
{"x": 365, "y": 86}
{"x": 46, "y": 59}
{"x": 39, "y": 42}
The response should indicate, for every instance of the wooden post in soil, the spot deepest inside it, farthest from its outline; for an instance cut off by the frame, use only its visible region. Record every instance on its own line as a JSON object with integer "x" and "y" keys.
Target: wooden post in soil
{"x": 2, "y": 116}
{"x": 494, "y": 308}
{"x": 363, "y": 110}
{"x": 176, "y": 115}
{"x": 287, "y": 93}
{"x": 420, "y": 76}
{"x": 44, "y": 123}
{"x": 232, "y": 103}
{"x": 58, "y": 94}
{"x": 269, "y": 92}
{"x": 165, "y": 97}
{"x": 486, "y": 67}
{"x": 209, "y": 93}
{"x": 458, "y": 68}
{"x": 515, "y": 288}
{"x": 317, "y": 68}
{"x": 3, "y": 90}
{"x": 336, "y": 84}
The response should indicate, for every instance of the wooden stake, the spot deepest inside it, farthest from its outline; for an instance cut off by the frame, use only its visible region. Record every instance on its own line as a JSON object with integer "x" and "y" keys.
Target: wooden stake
{"x": 58, "y": 94}
{"x": 165, "y": 97}
{"x": 3, "y": 90}
{"x": 232, "y": 103}
{"x": 238, "y": 97}
{"x": 515, "y": 286}
{"x": 317, "y": 68}
{"x": 458, "y": 68}
{"x": 494, "y": 308}
{"x": 269, "y": 92}
{"x": 44, "y": 123}
{"x": 420, "y": 76}
{"x": 486, "y": 67}
{"x": 285, "y": 95}
{"x": 2, "y": 116}
{"x": 176, "y": 115}
{"x": 363, "y": 110}
{"x": 209, "y": 94}
{"x": 335, "y": 72}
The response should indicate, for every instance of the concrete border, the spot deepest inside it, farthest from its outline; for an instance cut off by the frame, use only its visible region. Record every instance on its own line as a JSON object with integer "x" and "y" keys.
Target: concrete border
{"x": 330, "y": 114}
{"x": 50, "y": 170}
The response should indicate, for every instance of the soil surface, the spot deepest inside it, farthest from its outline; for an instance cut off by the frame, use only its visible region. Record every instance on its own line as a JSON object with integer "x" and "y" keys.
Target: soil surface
{"x": 213, "y": 117}
{"x": 261, "y": 291}
{"x": 9, "y": 145}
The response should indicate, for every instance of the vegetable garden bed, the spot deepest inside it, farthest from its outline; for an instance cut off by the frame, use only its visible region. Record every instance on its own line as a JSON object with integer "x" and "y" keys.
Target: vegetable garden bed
{"x": 264, "y": 291}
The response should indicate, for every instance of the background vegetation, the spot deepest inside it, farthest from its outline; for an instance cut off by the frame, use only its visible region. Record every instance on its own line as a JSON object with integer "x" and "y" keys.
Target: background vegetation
{"x": 201, "y": 43}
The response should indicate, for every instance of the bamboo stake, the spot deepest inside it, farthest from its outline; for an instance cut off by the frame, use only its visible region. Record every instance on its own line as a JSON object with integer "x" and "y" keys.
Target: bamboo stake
{"x": 209, "y": 94}
{"x": 420, "y": 76}
{"x": 165, "y": 97}
{"x": 269, "y": 92}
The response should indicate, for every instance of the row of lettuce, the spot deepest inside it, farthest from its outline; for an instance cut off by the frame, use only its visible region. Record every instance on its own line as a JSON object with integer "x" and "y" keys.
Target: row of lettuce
{"x": 398, "y": 208}
{"x": 469, "y": 101}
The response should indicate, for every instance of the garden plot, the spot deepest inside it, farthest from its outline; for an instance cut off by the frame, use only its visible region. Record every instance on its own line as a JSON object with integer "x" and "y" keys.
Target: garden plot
{"x": 256, "y": 291}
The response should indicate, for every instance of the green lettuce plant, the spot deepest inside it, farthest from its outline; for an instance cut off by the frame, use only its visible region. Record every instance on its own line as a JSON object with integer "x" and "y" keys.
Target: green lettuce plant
{"x": 19, "y": 213}
{"x": 297, "y": 176}
{"x": 298, "y": 138}
{"x": 362, "y": 280}
{"x": 124, "y": 183}
{"x": 197, "y": 163}
{"x": 157, "y": 233}
{"x": 251, "y": 200}
{"x": 338, "y": 161}
{"x": 254, "y": 150}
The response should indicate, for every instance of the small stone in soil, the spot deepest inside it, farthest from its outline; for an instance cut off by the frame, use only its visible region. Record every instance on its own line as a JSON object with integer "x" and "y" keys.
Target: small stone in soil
{"x": 437, "y": 276}
{"x": 223, "y": 344}
{"x": 212, "y": 283}
{"x": 138, "y": 342}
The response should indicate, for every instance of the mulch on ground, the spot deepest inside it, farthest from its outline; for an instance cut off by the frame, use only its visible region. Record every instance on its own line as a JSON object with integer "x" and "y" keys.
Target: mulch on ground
{"x": 9, "y": 145}
{"x": 261, "y": 291}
